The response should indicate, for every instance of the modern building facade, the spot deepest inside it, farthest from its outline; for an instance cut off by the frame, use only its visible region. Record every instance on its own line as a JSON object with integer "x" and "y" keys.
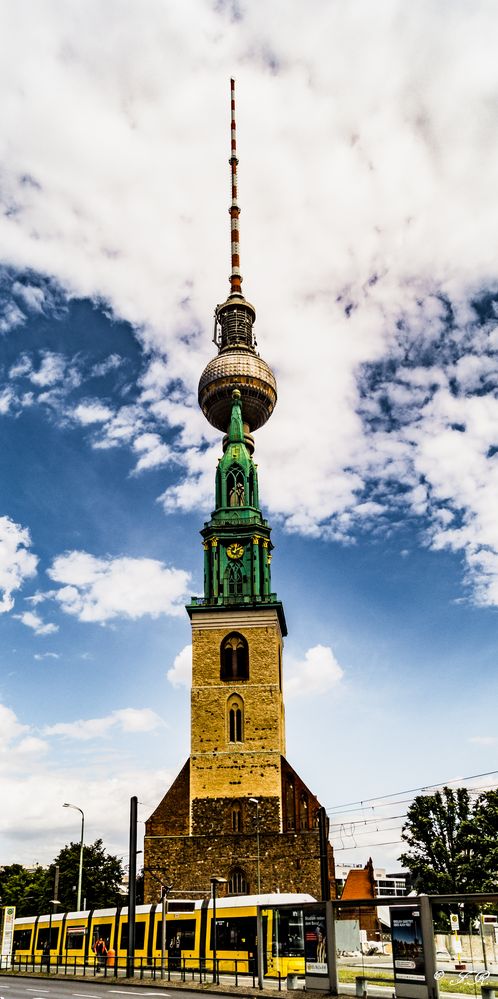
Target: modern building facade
{"x": 237, "y": 810}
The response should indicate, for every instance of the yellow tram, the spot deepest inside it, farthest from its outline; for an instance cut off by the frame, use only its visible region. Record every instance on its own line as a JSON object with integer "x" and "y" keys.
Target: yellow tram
{"x": 69, "y": 937}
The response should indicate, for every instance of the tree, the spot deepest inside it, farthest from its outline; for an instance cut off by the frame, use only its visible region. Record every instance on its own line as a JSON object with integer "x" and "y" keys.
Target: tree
{"x": 31, "y": 890}
{"x": 102, "y": 876}
{"x": 26, "y": 888}
{"x": 440, "y": 831}
{"x": 483, "y": 842}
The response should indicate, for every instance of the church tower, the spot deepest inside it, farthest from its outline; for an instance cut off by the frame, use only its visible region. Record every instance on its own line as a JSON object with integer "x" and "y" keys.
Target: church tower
{"x": 237, "y": 809}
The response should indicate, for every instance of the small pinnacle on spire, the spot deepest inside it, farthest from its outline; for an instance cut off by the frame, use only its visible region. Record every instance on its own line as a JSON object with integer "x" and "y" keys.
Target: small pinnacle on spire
{"x": 235, "y": 276}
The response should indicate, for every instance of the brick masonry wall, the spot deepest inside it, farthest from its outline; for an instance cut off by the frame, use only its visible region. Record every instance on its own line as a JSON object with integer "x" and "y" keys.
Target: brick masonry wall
{"x": 288, "y": 862}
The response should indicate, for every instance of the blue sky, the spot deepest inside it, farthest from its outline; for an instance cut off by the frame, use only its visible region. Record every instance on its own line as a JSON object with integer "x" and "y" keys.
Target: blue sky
{"x": 368, "y": 160}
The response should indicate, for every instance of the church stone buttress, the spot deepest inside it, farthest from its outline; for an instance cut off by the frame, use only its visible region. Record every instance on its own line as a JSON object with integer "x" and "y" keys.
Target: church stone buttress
{"x": 237, "y": 781}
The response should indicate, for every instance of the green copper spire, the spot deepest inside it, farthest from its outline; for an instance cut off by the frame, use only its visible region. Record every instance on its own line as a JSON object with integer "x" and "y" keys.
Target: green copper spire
{"x": 236, "y": 541}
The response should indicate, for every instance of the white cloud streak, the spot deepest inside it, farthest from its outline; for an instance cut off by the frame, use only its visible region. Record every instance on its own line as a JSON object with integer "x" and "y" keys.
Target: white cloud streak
{"x": 127, "y": 720}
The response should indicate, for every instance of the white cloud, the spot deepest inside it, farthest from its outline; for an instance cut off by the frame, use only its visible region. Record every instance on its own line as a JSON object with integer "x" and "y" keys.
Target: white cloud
{"x": 16, "y": 562}
{"x": 46, "y": 655}
{"x": 483, "y": 740}
{"x": 6, "y": 399}
{"x": 33, "y": 297}
{"x": 317, "y": 673}
{"x": 92, "y": 411}
{"x": 22, "y": 367}
{"x": 126, "y": 720}
{"x": 180, "y": 674}
{"x": 153, "y": 452}
{"x": 110, "y": 363}
{"x": 35, "y": 622}
{"x": 51, "y": 370}
{"x": 100, "y": 589}
{"x": 10, "y": 728}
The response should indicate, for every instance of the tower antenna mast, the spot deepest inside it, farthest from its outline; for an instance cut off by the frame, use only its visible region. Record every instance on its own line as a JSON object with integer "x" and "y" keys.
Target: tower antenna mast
{"x": 235, "y": 276}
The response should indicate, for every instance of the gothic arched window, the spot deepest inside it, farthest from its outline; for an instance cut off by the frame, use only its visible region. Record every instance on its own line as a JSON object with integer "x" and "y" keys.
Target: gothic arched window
{"x": 237, "y": 882}
{"x": 233, "y": 581}
{"x": 303, "y": 812}
{"x": 234, "y": 657}
{"x": 236, "y": 819}
{"x": 235, "y": 486}
{"x": 251, "y": 489}
{"x": 290, "y": 805}
{"x": 235, "y": 708}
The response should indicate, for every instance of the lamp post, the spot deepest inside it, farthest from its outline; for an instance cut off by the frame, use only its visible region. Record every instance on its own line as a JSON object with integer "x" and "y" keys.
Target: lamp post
{"x": 80, "y": 870}
{"x": 255, "y": 801}
{"x": 214, "y": 884}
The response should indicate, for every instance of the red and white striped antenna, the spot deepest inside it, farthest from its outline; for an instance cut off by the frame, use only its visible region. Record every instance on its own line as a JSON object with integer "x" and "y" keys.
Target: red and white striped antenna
{"x": 235, "y": 276}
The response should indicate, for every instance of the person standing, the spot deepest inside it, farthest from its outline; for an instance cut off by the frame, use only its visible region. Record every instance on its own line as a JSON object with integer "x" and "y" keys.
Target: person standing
{"x": 100, "y": 949}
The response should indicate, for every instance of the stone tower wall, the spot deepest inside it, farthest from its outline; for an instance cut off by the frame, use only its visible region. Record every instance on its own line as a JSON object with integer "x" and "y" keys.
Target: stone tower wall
{"x": 251, "y": 768}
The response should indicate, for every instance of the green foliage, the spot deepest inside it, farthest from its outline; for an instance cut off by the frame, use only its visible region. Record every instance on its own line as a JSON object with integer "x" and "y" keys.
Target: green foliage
{"x": 453, "y": 844}
{"x": 31, "y": 891}
{"x": 27, "y": 889}
{"x": 483, "y": 842}
{"x": 102, "y": 876}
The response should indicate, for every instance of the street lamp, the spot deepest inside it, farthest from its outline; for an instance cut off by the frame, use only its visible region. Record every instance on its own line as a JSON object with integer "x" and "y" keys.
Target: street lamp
{"x": 80, "y": 870}
{"x": 214, "y": 884}
{"x": 255, "y": 801}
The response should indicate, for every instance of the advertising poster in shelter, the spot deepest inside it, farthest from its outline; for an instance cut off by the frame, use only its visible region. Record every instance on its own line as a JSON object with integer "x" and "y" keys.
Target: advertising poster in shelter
{"x": 408, "y": 950}
{"x": 315, "y": 940}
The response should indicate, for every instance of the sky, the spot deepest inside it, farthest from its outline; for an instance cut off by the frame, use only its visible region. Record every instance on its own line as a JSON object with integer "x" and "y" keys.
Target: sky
{"x": 368, "y": 153}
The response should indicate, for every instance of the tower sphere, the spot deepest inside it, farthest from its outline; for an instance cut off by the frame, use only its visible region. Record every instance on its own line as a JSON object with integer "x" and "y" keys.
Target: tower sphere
{"x": 244, "y": 370}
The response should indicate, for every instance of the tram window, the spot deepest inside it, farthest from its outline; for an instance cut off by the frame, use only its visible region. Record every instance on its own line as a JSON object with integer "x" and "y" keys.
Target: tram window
{"x": 139, "y": 936}
{"x": 180, "y": 934}
{"x": 103, "y": 930}
{"x": 235, "y": 934}
{"x": 42, "y": 938}
{"x": 288, "y": 933}
{"x": 75, "y": 937}
{"x": 22, "y": 939}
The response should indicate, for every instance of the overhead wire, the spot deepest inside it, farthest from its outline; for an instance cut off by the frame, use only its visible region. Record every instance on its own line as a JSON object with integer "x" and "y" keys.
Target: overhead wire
{"x": 411, "y": 790}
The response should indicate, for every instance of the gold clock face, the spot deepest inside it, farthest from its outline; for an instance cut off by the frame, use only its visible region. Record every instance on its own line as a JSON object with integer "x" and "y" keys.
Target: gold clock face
{"x": 235, "y": 550}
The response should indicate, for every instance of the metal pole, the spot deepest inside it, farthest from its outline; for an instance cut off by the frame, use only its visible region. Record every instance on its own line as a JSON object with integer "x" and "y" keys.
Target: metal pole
{"x": 163, "y": 932}
{"x": 132, "y": 889}
{"x": 331, "y": 949}
{"x": 261, "y": 946}
{"x": 257, "y": 848}
{"x": 80, "y": 868}
{"x": 481, "y": 920}
{"x": 428, "y": 945}
{"x": 324, "y": 864}
{"x": 214, "y": 883}
{"x": 165, "y": 889}
{"x": 255, "y": 801}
